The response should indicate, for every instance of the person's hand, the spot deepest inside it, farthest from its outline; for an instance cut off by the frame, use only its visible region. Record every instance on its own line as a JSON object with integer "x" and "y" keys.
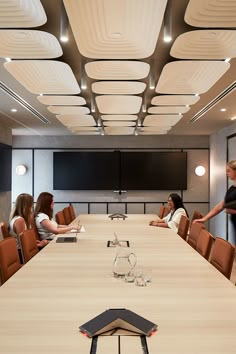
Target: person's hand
{"x": 153, "y": 223}
{"x": 42, "y": 243}
{"x": 202, "y": 220}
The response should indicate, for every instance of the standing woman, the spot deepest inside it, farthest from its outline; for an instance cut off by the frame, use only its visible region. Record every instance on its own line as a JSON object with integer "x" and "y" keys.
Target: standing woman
{"x": 43, "y": 218}
{"x": 20, "y": 219}
{"x": 230, "y": 196}
{"x": 172, "y": 219}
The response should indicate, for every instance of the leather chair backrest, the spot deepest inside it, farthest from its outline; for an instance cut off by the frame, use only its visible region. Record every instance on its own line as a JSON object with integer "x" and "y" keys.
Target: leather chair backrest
{"x": 67, "y": 216}
{"x": 204, "y": 243}
{"x": 4, "y": 229}
{"x": 9, "y": 258}
{"x": 60, "y": 218}
{"x": 194, "y": 232}
{"x": 183, "y": 227}
{"x": 222, "y": 257}
{"x": 28, "y": 244}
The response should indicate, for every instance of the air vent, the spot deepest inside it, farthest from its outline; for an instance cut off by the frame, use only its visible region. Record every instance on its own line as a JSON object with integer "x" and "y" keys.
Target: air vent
{"x": 23, "y": 103}
{"x": 211, "y": 104}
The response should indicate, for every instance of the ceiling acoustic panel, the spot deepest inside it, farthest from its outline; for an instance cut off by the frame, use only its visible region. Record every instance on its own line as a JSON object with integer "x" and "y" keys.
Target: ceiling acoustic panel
{"x": 85, "y": 132}
{"x": 119, "y": 130}
{"x": 79, "y": 128}
{"x": 114, "y": 29}
{"x": 161, "y": 120}
{"x": 62, "y": 100}
{"x": 119, "y": 117}
{"x": 117, "y": 70}
{"x": 119, "y": 124}
{"x": 44, "y": 76}
{"x": 23, "y": 13}
{"x": 118, "y": 87}
{"x": 190, "y": 77}
{"x": 28, "y": 44}
{"x": 211, "y": 13}
{"x": 68, "y": 110}
{"x": 175, "y": 100}
{"x": 205, "y": 44}
{"x": 111, "y": 104}
{"x": 76, "y": 120}
{"x": 153, "y": 130}
{"x": 168, "y": 110}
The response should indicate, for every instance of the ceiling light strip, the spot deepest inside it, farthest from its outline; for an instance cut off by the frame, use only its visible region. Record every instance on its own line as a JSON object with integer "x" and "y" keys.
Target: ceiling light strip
{"x": 23, "y": 103}
{"x": 212, "y": 103}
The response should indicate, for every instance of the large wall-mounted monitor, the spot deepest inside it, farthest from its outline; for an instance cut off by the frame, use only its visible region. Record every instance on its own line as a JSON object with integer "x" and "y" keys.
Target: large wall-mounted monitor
{"x": 6, "y": 167}
{"x": 119, "y": 170}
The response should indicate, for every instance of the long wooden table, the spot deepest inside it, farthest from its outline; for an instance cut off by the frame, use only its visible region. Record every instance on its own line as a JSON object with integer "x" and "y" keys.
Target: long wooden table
{"x": 66, "y": 285}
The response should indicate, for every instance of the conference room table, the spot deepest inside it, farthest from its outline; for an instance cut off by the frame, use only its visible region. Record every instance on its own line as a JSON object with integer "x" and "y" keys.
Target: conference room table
{"x": 67, "y": 284}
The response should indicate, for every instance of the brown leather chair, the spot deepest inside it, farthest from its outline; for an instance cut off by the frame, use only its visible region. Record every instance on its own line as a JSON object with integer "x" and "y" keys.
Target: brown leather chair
{"x": 194, "y": 232}
{"x": 196, "y": 215}
{"x": 9, "y": 258}
{"x": 72, "y": 212}
{"x": 4, "y": 229}
{"x": 28, "y": 244}
{"x": 183, "y": 227}
{"x": 204, "y": 243}
{"x": 163, "y": 211}
{"x": 222, "y": 256}
{"x": 34, "y": 227}
{"x": 59, "y": 216}
{"x": 67, "y": 216}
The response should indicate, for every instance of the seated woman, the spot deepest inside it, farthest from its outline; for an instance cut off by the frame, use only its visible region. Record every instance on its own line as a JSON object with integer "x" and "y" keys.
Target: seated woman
{"x": 47, "y": 227}
{"x": 177, "y": 209}
{"x": 20, "y": 219}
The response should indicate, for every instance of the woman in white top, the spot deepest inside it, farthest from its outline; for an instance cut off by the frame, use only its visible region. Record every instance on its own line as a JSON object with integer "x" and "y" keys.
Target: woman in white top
{"x": 47, "y": 227}
{"x": 20, "y": 219}
{"x": 172, "y": 219}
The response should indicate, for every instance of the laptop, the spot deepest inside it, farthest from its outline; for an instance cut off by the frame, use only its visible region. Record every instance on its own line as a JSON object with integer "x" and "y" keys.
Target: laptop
{"x": 63, "y": 239}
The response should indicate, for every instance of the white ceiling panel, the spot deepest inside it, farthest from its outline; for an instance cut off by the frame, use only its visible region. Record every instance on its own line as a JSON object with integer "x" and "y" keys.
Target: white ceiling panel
{"x": 211, "y": 13}
{"x": 118, "y": 87}
{"x": 68, "y": 110}
{"x": 23, "y": 13}
{"x": 190, "y": 77}
{"x": 153, "y": 131}
{"x": 117, "y": 70}
{"x": 85, "y": 132}
{"x": 111, "y": 104}
{"x": 119, "y": 130}
{"x": 76, "y": 120}
{"x": 28, "y": 44}
{"x": 44, "y": 76}
{"x": 81, "y": 128}
{"x": 168, "y": 110}
{"x": 62, "y": 100}
{"x": 119, "y": 124}
{"x": 114, "y": 29}
{"x": 161, "y": 120}
{"x": 175, "y": 100}
{"x": 119, "y": 117}
{"x": 205, "y": 44}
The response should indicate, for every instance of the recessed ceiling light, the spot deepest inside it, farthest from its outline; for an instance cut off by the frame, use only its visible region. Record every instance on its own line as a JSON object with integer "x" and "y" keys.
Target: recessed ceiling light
{"x": 13, "y": 110}
{"x": 223, "y": 109}
{"x": 64, "y": 39}
{"x": 167, "y": 39}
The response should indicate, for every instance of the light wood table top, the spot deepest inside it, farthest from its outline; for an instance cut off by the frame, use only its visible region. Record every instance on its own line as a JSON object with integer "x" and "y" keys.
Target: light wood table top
{"x": 66, "y": 285}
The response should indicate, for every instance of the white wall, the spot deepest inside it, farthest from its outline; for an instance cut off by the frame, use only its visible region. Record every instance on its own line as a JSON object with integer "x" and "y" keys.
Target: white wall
{"x": 218, "y": 180}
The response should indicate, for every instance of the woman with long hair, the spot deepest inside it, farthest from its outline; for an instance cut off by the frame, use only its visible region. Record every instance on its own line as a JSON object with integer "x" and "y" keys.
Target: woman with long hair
{"x": 19, "y": 220}
{"x": 172, "y": 219}
{"x": 47, "y": 227}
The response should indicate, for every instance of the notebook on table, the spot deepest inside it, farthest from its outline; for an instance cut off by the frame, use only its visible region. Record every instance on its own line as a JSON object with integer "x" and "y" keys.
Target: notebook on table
{"x": 64, "y": 239}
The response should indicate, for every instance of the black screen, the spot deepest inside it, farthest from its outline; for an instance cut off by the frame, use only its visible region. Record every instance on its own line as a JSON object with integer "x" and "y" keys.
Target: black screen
{"x": 154, "y": 170}
{"x": 120, "y": 170}
{"x": 5, "y": 163}
{"x": 86, "y": 170}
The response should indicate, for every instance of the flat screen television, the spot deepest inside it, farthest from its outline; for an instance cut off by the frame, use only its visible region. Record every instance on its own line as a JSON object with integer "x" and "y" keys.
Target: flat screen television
{"x": 118, "y": 170}
{"x": 74, "y": 170}
{"x": 154, "y": 170}
{"x": 6, "y": 167}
